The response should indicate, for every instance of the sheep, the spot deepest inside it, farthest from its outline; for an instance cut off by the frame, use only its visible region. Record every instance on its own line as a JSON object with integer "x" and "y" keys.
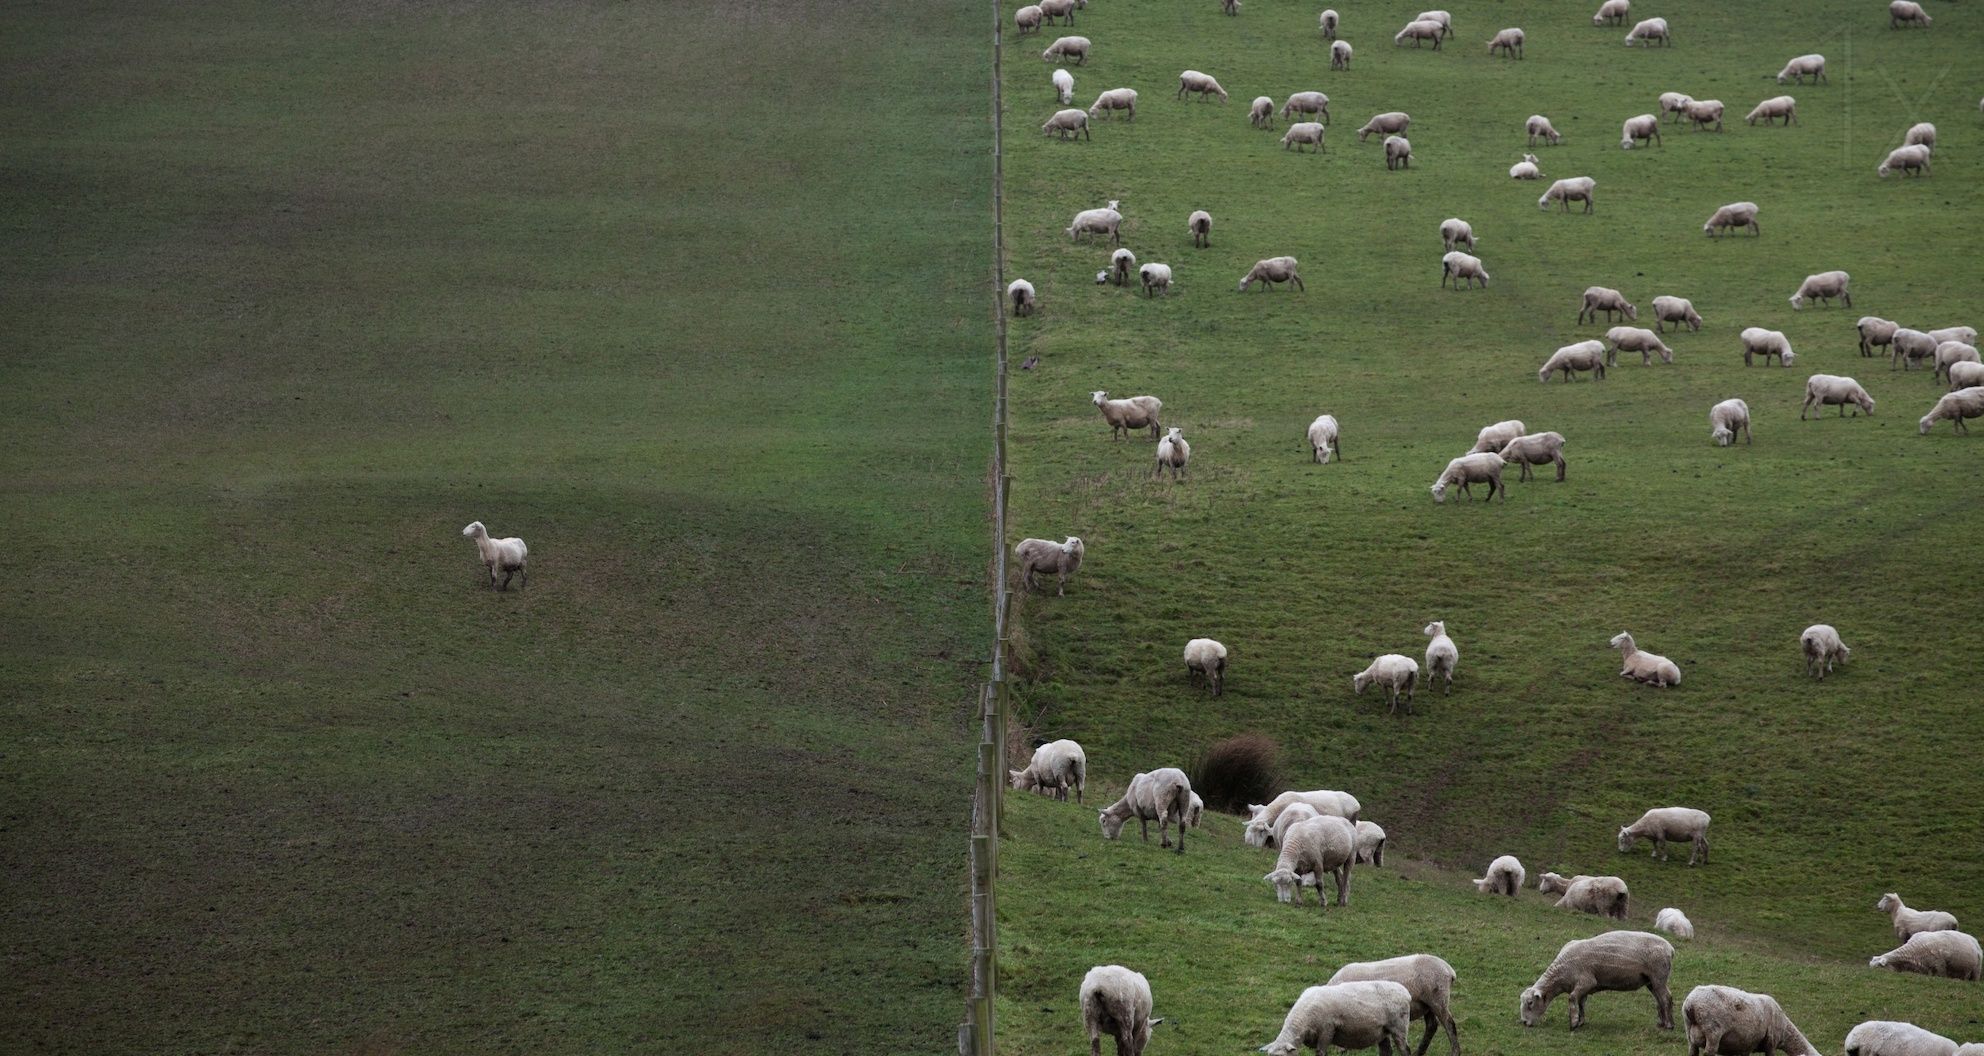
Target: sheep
{"x": 1703, "y": 111}
{"x": 1172, "y": 451}
{"x": 1909, "y": 160}
{"x": 1909, "y": 12}
{"x": 1020, "y": 292}
{"x": 1825, "y": 390}
{"x": 1261, "y": 113}
{"x": 1889, "y": 1038}
{"x": 1045, "y": 555}
{"x": 1067, "y": 122}
{"x": 1098, "y": 222}
{"x": 1874, "y": 332}
{"x": 1471, "y": 469}
{"x": 1231, "y": 7}
{"x": 1648, "y": 31}
{"x": 1454, "y": 231}
{"x": 1955, "y": 406}
{"x": 1347, "y": 1016}
{"x": 1538, "y": 125}
{"x": 1027, "y": 20}
{"x": 1536, "y": 449}
{"x": 1573, "y": 189}
{"x": 1617, "y": 961}
{"x": 1261, "y": 817}
{"x": 1445, "y": 20}
{"x": 1307, "y": 103}
{"x": 507, "y": 556}
{"x": 1650, "y": 668}
{"x": 1965, "y": 334}
{"x": 1764, "y": 344}
{"x": 1062, "y": 9}
{"x": 1385, "y": 124}
{"x": 1064, "y": 47}
{"x": 1909, "y": 346}
{"x": 1195, "y": 811}
{"x": 1340, "y": 55}
{"x": 1328, "y": 21}
{"x": 1799, "y": 68}
{"x": 1554, "y": 884}
{"x": 1949, "y": 954}
{"x": 1202, "y": 83}
{"x": 1398, "y": 674}
{"x": 1508, "y": 42}
{"x": 1612, "y": 13}
{"x": 1675, "y": 923}
{"x": 1442, "y": 656}
{"x": 1294, "y": 815}
{"x": 1270, "y": 271}
{"x": 1822, "y": 648}
{"x": 1776, "y": 106}
{"x": 1585, "y": 355}
{"x": 1676, "y": 310}
{"x": 1725, "y": 1021}
{"x": 1324, "y": 439}
{"x": 1922, "y": 133}
{"x": 1321, "y": 846}
{"x": 1398, "y": 153}
{"x": 1662, "y": 824}
{"x": 1056, "y": 767}
{"x": 1608, "y": 300}
{"x": 1155, "y": 278}
{"x": 1370, "y": 843}
{"x": 1733, "y": 215}
{"x": 1603, "y": 896}
{"x": 1419, "y": 30}
{"x": 1636, "y": 339}
{"x": 1121, "y": 263}
{"x": 1064, "y": 86}
{"x": 1301, "y": 132}
{"x": 1497, "y": 436}
{"x": 1206, "y": 658}
{"x": 1908, "y": 922}
{"x": 1115, "y": 99}
{"x": 1725, "y": 419}
{"x": 1116, "y": 1001}
{"x": 1950, "y": 353}
{"x": 1462, "y": 266}
{"x": 1427, "y": 979}
{"x": 1825, "y": 286}
{"x": 1966, "y": 375}
{"x": 1525, "y": 169}
{"x": 1200, "y": 225}
{"x": 1134, "y": 412}
{"x": 1643, "y": 127}
{"x": 1505, "y": 877}
{"x": 1163, "y": 795}
{"x": 1675, "y": 104}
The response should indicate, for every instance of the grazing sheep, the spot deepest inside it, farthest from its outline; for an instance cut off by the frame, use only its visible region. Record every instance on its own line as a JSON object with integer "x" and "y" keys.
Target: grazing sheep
{"x": 1262, "y": 817}
{"x": 1307, "y": 103}
{"x": 1909, "y": 346}
{"x": 1370, "y": 843}
{"x": 1608, "y": 300}
{"x": 1966, "y": 375}
{"x": 1662, "y": 824}
{"x": 1429, "y": 981}
{"x": 1826, "y": 390}
{"x": 1508, "y": 42}
{"x": 1874, "y": 332}
{"x": 1116, "y": 1001}
{"x": 1328, "y": 21}
{"x": 1650, "y": 668}
{"x": 1889, "y": 1038}
{"x": 1270, "y": 271}
{"x": 1496, "y": 437}
{"x": 1910, "y": 160}
{"x": 1822, "y": 648}
{"x": 1155, "y": 279}
{"x": 1134, "y": 412}
{"x": 1064, "y": 86}
{"x": 1163, "y": 795}
{"x": 1777, "y": 106}
{"x": 1310, "y": 132}
{"x": 1056, "y": 767}
{"x": 1676, "y": 310}
{"x": 1121, "y": 263}
{"x": 1637, "y": 339}
{"x": 1949, "y": 954}
{"x": 1419, "y": 30}
{"x": 1955, "y": 406}
{"x": 1462, "y": 266}
{"x": 1172, "y": 451}
{"x": 1065, "y": 48}
{"x": 1674, "y": 922}
{"x": 1553, "y": 884}
{"x": 1675, "y": 104}
{"x": 1825, "y": 286}
{"x": 1803, "y": 66}
{"x": 1061, "y": 9}
{"x": 1398, "y": 153}
{"x": 1104, "y": 221}
{"x": 1525, "y": 169}
{"x": 1296, "y": 814}
{"x": 1648, "y": 31}
{"x": 1340, "y": 55}
{"x": 1027, "y": 20}
{"x": 1045, "y": 555}
{"x": 1200, "y": 225}
{"x": 508, "y": 556}
{"x": 1442, "y": 656}
{"x": 1612, "y": 13}
{"x": 1703, "y": 111}
{"x": 1573, "y": 189}
{"x": 1020, "y": 292}
{"x": 1725, "y": 1021}
{"x": 1965, "y": 334}
{"x": 1115, "y": 99}
{"x": 1922, "y": 133}
{"x": 1505, "y": 877}
{"x": 1346, "y": 1016}
{"x": 1323, "y": 439}
{"x": 1734, "y": 215}
{"x": 1471, "y": 469}
{"x": 1388, "y": 123}
{"x": 1206, "y": 658}
{"x": 1616, "y": 960}
{"x": 1398, "y": 674}
{"x": 1643, "y": 127}
{"x": 1950, "y": 353}
{"x": 1763, "y": 343}
{"x": 1201, "y": 83}
{"x": 1536, "y": 449}
{"x": 1261, "y": 113}
{"x": 1538, "y": 125}
{"x": 1603, "y": 896}
{"x": 1445, "y": 20}
{"x": 1725, "y": 419}
{"x": 1321, "y": 846}
{"x": 1454, "y": 231}
{"x": 1907, "y": 12}
{"x": 1585, "y": 355}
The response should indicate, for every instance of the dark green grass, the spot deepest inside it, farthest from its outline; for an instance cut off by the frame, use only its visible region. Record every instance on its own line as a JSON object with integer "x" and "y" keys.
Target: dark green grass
{"x": 291, "y": 295}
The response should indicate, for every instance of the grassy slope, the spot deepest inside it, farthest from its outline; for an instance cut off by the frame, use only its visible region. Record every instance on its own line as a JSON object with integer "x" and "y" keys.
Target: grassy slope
{"x": 1824, "y": 795}
{"x": 292, "y": 295}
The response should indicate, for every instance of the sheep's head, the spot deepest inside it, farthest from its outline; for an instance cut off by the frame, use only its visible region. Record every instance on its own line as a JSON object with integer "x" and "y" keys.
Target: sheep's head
{"x": 1101, "y": 278}
{"x": 1722, "y": 436}
{"x": 1112, "y": 826}
{"x": 1622, "y": 640}
{"x": 1196, "y": 811}
{"x": 1625, "y": 838}
{"x": 1286, "y": 884}
{"x": 1281, "y": 1048}
{"x": 1543, "y": 203}
{"x": 1098, "y": 396}
{"x": 1439, "y": 490}
{"x": 1113, "y": 203}
{"x": 1888, "y": 902}
{"x": 1632, "y": 313}
{"x": 1259, "y": 833}
{"x": 1878, "y": 962}
{"x": 475, "y": 529}
{"x": 1435, "y": 629}
{"x": 1928, "y": 421}
{"x": 1865, "y": 401}
{"x": 1534, "y": 1004}
{"x": 1175, "y": 434}
{"x": 1363, "y": 678}
{"x": 1023, "y": 779}
{"x": 1787, "y": 356}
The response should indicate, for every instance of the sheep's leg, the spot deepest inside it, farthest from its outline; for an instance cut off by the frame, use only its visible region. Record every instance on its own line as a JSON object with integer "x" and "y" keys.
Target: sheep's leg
{"x": 1577, "y": 1007}
{"x": 1560, "y": 468}
{"x": 1144, "y": 824}
{"x": 1342, "y": 885}
{"x": 1663, "y": 1002}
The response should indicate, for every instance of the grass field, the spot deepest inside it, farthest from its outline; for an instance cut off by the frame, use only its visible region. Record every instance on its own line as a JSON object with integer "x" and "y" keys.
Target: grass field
{"x": 295, "y": 292}
{"x": 1824, "y": 795}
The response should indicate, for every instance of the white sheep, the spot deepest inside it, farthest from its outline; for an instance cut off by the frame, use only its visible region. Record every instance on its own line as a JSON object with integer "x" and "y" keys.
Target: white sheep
{"x": 1725, "y": 1021}
{"x": 1271, "y": 271}
{"x": 1155, "y": 278}
{"x": 1889, "y": 1038}
{"x": 1460, "y": 266}
{"x": 1027, "y": 20}
{"x": 1445, "y": 20}
{"x": 1612, "y": 13}
{"x": 507, "y": 556}
{"x": 1572, "y": 189}
{"x": 1922, "y": 133}
{"x": 1675, "y": 104}
{"x": 1231, "y": 7}
{"x": 1650, "y": 668}
{"x": 1261, "y": 113}
{"x": 1307, "y": 103}
{"x": 1398, "y": 153}
{"x": 1648, "y": 31}
{"x": 1399, "y": 675}
{"x": 1965, "y": 334}
{"x": 1020, "y": 293}
{"x": 1103, "y": 221}
{"x": 1427, "y": 979}
{"x": 1635, "y": 129}
{"x": 1703, "y": 111}
{"x": 1497, "y": 436}
{"x": 1319, "y": 847}
{"x": 1825, "y": 286}
{"x": 1064, "y": 48}
{"x": 1116, "y": 1001}
{"x": 1955, "y": 407}
{"x": 1106, "y": 104}
{"x": 1636, "y": 339}
{"x": 1200, "y": 225}
{"x": 1676, "y": 310}
{"x": 1301, "y": 132}
{"x": 1206, "y": 658}
{"x": 1725, "y": 419}
{"x": 1505, "y": 877}
{"x": 1471, "y": 469}
{"x": 1417, "y": 31}
{"x": 1056, "y": 767}
{"x": 1949, "y": 954}
{"x": 1907, "y": 12}
{"x": 1763, "y": 344}
{"x": 1950, "y": 353}
{"x": 1875, "y": 332}
{"x": 1296, "y": 814}
{"x": 1370, "y": 843}
{"x": 1063, "y": 559}
{"x": 1525, "y": 169}
{"x": 1442, "y": 656}
{"x": 1966, "y": 375}
{"x": 1329, "y": 22}
{"x": 1664, "y": 824}
{"x": 1133, "y": 412}
{"x": 1813, "y": 66}
{"x": 1674, "y": 922}
{"x": 1734, "y": 215}
{"x": 1324, "y": 441}
{"x": 1385, "y": 124}
{"x": 1172, "y": 451}
{"x": 1777, "y": 106}
{"x": 1202, "y": 83}
{"x": 1061, "y": 9}
{"x": 1121, "y": 263}
{"x": 1909, "y": 161}
{"x": 1535, "y": 449}
{"x": 1822, "y": 647}
{"x": 1064, "y": 86}
{"x": 1614, "y": 961}
{"x": 1508, "y": 42}
{"x": 1163, "y": 795}
{"x": 1555, "y": 884}
{"x": 1825, "y": 390}
{"x": 1346, "y": 1016}
{"x": 1608, "y": 300}
{"x": 1339, "y": 55}
{"x": 1603, "y": 896}
{"x": 1261, "y": 817}
{"x": 1585, "y": 355}
{"x": 1908, "y": 346}
{"x": 1538, "y": 125}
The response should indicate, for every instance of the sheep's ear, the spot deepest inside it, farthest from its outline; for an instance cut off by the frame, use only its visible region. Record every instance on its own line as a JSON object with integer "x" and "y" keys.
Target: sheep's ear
{"x": 1156, "y": 1021}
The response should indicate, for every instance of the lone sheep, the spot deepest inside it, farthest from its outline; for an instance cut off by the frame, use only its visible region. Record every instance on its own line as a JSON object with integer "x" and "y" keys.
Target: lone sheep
{"x": 1644, "y": 128}
{"x": 1907, "y": 12}
{"x": 1323, "y": 437}
{"x": 1046, "y": 555}
{"x": 1340, "y": 55}
{"x": 1525, "y": 169}
{"x": 1200, "y": 225}
{"x": 507, "y": 556}
{"x": 1508, "y": 42}
{"x": 1021, "y": 293}
{"x": 1103, "y": 221}
{"x": 1271, "y": 271}
{"x": 1725, "y": 419}
{"x": 1206, "y": 658}
{"x": 1648, "y": 31}
{"x": 1734, "y": 215}
{"x": 1664, "y": 824}
{"x": 1823, "y": 649}
{"x": 1824, "y": 286}
{"x": 1650, "y": 668}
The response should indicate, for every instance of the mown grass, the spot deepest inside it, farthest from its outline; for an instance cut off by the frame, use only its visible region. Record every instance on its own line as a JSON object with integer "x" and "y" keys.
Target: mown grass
{"x": 1824, "y": 794}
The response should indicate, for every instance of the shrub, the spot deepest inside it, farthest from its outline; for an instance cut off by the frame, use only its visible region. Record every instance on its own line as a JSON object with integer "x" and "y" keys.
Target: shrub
{"x": 1242, "y": 769}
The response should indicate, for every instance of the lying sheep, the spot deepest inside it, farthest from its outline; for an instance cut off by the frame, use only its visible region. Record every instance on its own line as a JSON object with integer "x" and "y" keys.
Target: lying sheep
{"x": 1612, "y": 13}
{"x": 1461, "y": 267}
{"x": 1585, "y": 355}
{"x": 1271, "y": 271}
{"x": 1525, "y": 169}
{"x": 1027, "y": 20}
{"x": 1966, "y": 375}
{"x": 1201, "y": 83}
{"x": 1907, "y": 12}
{"x": 1734, "y": 215}
{"x": 1261, "y": 817}
{"x": 1346, "y": 1016}
{"x": 1574, "y": 189}
{"x": 1725, "y": 419}
{"x": 1949, "y": 954}
{"x": 1124, "y": 99}
{"x": 508, "y": 556}
{"x": 1116, "y": 1001}
{"x": 1296, "y": 814}
{"x": 1909, "y": 161}
{"x": 1603, "y": 896}
{"x": 1328, "y": 21}
{"x": 1133, "y": 412}
{"x": 1777, "y": 106}
{"x": 1636, "y": 339}
{"x": 1725, "y": 1021}
{"x": 1826, "y": 390}
{"x": 1950, "y": 353}
{"x": 1020, "y": 293}
{"x": 1648, "y": 31}
{"x": 1911, "y": 922}
{"x": 1675, "y": 104}
{"x": 1703, "y": 111}
{"x": 1875, "y": 332}
{"x": 1455, "y": 231}
{"x": 1608, "y": 300}
{"x": 1442, "y": 656}
{"x": 1155, "y": 278}
{"x": 1261, "y": 113}
{"x": 1121, "y": 264}
{"x": 1200, "y": 225}
{"x": 1340, "y": 55}
{"x": 1324, "y": 442}
{"x": 1616, "y": 961}
{"x": 1061, "y": 9}
{"x": 1538, "y": 125}
{"x": 1163, "y": 795}
{"x": 1206, "y": 658}
{"x": 1508, "y": 42}
{"x": 1662, "y": 824}
{"x": 1064, "y": 86}
{"x": 1172, "y": 451}
{"x": 1825, "y": 286}
{"x": 1104, "y": 221}
{"x": 1063, "y": 559}
{"x": 1056, "y": 767}
{"x": 1554, "y": 884}
{"x": 1496, "y": 437}
{"x": 1370, "y": 843}
{"x": 1635, "y": 129}
{"x": 1955, "y": 407}
{"x": 1650, "y": 668}
{"x": 1922, "y": 133}
{"x": 1309, "y": 132}
{"x": 1398, "y": 153}
{"x": 1889, "y": 1038}
{"x": 1536, "y": 449}
{"x": 1427, "y": 979}
{"x": 1385, "y": 124}
{"x": 1399, "y": 675}
{"x": 1471, "y": 469}
{"x": 1674, "y": 922}
{"x": 1908, "y": 346}
{"x": 1307, "y": 103}
{"x": 1417, "y": 31}
{"x": 1813, "y": 66}
{"x": 1676, "y": 310}
{"x": 1764, "y": 344}
{"x": 1323, "y": 846}
{"x": 1505, "y": 877}
{"x": 1066, "y": 48}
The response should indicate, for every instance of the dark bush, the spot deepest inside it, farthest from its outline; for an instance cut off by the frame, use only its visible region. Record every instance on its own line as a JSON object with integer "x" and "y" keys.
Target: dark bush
{"x": 1242, "y": 769}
